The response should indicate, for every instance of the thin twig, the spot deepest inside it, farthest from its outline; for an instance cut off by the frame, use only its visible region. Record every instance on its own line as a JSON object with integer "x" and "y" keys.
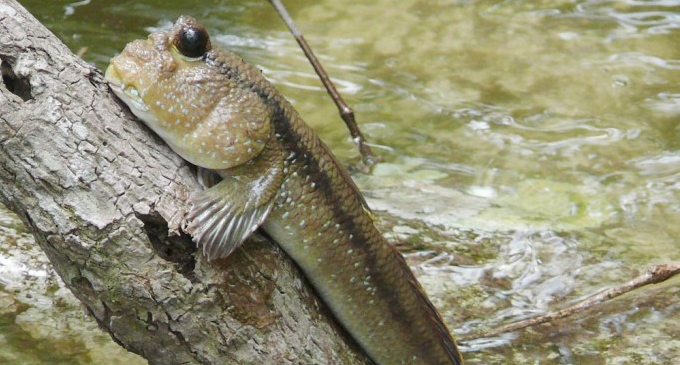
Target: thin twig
{"x": 346, "y": 113}
{"x": 82, "y": 51}
{"x": 653, "y": 275}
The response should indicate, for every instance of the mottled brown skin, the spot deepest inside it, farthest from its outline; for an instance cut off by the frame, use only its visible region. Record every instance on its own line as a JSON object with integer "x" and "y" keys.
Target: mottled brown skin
{"x": 320, "y": 219}
{"x": 362, "y": 278}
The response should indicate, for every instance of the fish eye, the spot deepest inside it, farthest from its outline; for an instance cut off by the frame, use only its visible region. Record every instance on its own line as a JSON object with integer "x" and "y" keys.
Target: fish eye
{"x": 192, "y": 41}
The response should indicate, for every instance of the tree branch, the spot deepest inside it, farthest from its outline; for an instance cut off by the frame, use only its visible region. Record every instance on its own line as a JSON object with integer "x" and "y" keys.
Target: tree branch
{"x": 653, "y": 275}
{"x": 346, "y": 113}
{"x": 105, "y": 199}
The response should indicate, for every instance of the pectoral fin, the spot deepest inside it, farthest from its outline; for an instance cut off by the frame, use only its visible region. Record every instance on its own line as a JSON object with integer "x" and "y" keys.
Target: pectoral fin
{"x": 223, "y": 216}
{"x": 207, "y": 178}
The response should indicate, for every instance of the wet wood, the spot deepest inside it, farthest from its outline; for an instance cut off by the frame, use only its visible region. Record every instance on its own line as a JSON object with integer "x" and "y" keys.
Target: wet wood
{"x": 105, "y": 200}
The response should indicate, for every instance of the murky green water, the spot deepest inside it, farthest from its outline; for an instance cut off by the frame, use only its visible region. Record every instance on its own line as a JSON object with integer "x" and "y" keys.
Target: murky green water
{"x": 531, "y": 158}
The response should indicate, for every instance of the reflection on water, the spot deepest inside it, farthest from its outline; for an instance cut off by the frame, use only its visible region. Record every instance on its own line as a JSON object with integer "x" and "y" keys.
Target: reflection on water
{"x": 530, "y": 147}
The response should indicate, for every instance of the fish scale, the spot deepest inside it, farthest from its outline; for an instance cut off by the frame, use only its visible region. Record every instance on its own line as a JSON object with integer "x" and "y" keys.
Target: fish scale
{"x": 278, "y": 175}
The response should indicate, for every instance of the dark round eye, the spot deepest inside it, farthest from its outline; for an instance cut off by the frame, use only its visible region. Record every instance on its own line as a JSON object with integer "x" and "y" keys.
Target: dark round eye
{"x": 192, "y": 41}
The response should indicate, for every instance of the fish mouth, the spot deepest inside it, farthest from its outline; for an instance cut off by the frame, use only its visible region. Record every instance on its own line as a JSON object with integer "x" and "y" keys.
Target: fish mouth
{"x": 126, "y": 92}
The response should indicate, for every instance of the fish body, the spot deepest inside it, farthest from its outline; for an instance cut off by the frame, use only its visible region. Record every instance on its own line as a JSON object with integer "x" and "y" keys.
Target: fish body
{"x": 221, "y": 114}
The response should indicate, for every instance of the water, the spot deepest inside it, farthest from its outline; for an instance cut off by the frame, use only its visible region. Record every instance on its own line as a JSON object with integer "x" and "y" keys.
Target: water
{"x": 531, "y": 158}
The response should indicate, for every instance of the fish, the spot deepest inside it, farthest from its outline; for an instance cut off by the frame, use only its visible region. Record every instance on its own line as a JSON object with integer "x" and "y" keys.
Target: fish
{"x": 220, "y": 113}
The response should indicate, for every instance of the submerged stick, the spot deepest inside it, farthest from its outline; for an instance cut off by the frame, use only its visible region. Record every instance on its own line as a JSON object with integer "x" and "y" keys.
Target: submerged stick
{"x": 653, "y": 275}
{"x": 346, "y": 113}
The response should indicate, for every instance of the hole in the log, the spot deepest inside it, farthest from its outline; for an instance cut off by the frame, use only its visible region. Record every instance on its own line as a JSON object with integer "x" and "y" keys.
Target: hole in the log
{"x": 177, "y": 249}
{"x": 18, "y": 86}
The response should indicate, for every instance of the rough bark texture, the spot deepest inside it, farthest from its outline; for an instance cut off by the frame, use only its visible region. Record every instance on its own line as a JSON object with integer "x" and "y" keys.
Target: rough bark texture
{"x": 101, "y": 194}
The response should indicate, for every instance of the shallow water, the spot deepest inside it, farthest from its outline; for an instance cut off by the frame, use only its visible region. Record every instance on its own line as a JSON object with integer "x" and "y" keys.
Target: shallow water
{"x": 531, "y": 158}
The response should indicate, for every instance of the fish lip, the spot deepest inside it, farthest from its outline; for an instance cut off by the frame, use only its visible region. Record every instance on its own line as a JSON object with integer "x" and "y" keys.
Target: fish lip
{"x": 116, "y": 87}
{"x": 112, "y": 77}
{"x": 121, "y": 90}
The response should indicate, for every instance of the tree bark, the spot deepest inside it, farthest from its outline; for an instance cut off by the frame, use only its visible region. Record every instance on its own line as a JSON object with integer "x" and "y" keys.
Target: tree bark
{"x": 105, "y": 199}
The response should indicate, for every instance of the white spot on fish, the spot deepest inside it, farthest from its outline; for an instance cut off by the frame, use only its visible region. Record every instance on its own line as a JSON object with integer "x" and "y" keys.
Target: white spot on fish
{"x": 350, "y": 251}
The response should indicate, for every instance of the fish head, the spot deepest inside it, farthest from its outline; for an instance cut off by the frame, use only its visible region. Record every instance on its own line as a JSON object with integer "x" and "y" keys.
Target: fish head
{"x": 176, "y": 84}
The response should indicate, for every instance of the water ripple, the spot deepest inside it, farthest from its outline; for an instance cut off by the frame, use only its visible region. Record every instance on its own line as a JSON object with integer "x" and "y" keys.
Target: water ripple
{"x": 634, "y": 17}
